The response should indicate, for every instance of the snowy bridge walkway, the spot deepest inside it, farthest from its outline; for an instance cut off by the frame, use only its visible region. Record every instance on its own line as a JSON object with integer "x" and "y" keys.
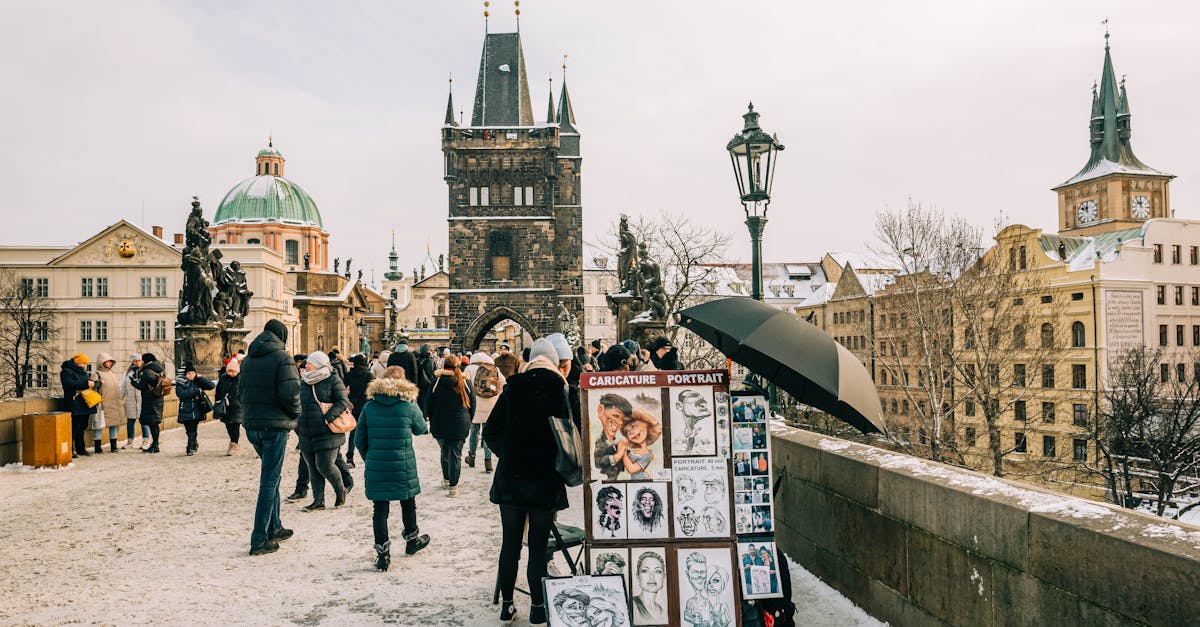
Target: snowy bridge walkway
{"x": 130, "y": 538}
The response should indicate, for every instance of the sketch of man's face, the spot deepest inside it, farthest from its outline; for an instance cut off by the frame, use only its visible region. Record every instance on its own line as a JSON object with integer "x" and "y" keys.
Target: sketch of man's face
{"x": 598, "y": 615}
{"x": 686, "y": 488}
{"x": 714, "y": 490}
{"x": 688, "y": 521}
{"x": 696, "y": 574}
{"x": 647, "y": 504}
{"x": 612, "y": 507}
{"x": 611, "y": 418}
{"x": 714, "y": 521}
{"x": 693, "y": 406}
{"x": 573, "y": 612}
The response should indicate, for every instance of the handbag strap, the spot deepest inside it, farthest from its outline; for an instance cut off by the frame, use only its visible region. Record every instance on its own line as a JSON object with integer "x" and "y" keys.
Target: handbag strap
{"x": 325, "y": 407}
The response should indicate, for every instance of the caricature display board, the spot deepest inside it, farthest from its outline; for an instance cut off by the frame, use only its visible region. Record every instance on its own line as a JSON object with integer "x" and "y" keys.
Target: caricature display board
{"x": 753, "y": 497}
{"x": 659, "y": 490}
{"x": 585, "y": 600}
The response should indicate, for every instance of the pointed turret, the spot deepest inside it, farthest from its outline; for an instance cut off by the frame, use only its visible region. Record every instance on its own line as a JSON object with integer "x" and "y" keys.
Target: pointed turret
{"x": 566, "y": 114}
{"x": 1110, "y": 130}
{"x": 502, "y": 89}
{"x": 550, "y": 119}
{"x": 450, "y": 108}
{"x": 393, "y": 273}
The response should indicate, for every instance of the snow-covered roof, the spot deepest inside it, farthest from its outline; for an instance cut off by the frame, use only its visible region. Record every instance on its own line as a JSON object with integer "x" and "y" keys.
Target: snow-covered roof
{"x": 1105, "y": 167}
{"x": 861, "y": 261}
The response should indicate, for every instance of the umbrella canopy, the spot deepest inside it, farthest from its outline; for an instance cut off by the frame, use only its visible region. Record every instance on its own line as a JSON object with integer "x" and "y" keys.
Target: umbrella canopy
{"x": 791, "y": 353}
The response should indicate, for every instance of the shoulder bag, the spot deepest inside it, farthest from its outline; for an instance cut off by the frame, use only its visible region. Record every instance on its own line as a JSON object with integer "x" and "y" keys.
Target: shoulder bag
{"x": 566, "y": 437}
{"x": 345, "y": 423}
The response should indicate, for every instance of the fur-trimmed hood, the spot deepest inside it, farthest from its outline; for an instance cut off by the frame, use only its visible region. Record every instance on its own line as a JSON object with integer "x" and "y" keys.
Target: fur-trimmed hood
{"x": 401, "y": 388}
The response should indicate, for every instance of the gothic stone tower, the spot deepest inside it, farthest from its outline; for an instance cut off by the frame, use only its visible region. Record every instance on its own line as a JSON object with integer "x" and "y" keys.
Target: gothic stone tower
{"x": 515, "y": 218}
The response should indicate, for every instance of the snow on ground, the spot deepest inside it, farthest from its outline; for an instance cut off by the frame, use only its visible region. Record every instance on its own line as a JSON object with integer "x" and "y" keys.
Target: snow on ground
{"x": 137, "y": 539}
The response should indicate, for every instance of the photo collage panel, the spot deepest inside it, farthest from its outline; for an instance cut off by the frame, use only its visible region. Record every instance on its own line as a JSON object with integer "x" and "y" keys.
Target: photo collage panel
{"x": 752, "y": 497}
{"x": 759, "y": 571}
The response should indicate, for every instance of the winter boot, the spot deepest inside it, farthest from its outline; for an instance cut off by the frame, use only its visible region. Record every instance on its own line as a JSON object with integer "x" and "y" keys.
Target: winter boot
{"x": 487, "y": 464}
{"x": 112, "y": 445}
{"x": 508, "y": 612}
{"x": 99, "y": 447}
{"x": 416, "y": 544}
{"x": 537, "y": 614}
{"x": 383, "y": 555}
{"x": 470, "y": 459}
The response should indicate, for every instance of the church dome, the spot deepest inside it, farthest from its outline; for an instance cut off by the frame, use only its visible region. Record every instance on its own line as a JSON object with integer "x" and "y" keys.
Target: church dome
{"x": 268, "y": 197}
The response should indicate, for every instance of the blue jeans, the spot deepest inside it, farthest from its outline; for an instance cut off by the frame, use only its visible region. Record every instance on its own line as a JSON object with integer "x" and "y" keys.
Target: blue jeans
{"x": 129, "y": 425}
{"x": 270, "y": 446}
{"x": 474, "y": 440}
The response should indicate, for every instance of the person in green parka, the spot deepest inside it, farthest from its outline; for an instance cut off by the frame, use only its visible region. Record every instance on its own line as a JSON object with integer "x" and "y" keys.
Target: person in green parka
{"x": 384, "y": 437}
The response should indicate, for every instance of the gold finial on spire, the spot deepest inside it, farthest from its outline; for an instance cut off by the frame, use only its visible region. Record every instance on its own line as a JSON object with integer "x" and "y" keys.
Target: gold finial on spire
{"x": 486, "y": 13}
{"x": 564, "y": 66}
{"x": 1105, "y": 23}
{"x": 270, "y": 139}
{"x": 517, "y": 10}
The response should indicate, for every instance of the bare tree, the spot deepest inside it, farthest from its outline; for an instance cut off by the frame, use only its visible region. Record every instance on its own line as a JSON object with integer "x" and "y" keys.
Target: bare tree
{"x": 1148, "y": 427}
{"x": 28, "y": 325}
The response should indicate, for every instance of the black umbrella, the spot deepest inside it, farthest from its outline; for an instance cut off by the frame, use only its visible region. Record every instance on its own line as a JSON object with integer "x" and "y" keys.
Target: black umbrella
{"x": 791, "y": 353}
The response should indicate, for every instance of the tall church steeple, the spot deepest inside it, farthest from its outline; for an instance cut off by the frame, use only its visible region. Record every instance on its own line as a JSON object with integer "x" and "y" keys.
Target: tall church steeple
{"x": 1114, "y": 190}
{"x": 502, "y": 88}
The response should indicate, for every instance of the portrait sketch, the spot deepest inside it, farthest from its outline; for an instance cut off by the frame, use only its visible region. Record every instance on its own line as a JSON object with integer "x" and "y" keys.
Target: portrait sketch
{"x": 648, "y": 515}
{"x": 701, "y": 497}
{"x": 760, "y": 575}
{"x": 649, "y": 591}
{"x": 608, "y": 512}
{"x": 693, "y": 430}
{"x": 587, "y": 601}
{"x": 610, "y": 561}
{"x": 706, "y": 591}
{"x": 625, "y": 427}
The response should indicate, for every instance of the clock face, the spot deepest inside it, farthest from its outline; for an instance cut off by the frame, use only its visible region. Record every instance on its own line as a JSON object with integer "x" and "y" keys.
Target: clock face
{"x": 1140, "y": 207}
{"x": 1087, "y": 212}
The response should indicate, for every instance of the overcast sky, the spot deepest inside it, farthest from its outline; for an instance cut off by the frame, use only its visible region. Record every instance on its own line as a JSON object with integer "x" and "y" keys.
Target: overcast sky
{"x": 125, "y": 109}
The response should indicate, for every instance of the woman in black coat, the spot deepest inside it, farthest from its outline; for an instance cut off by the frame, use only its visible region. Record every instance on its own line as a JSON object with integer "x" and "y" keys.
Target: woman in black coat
{"x": 74, "y": 381}
{"x": 152, "y": 406}
{"x": 356, "y": 382}
{"x": 227, "y": 406}
{"x": 318, "y": 445}
{"x": 526, "y": 486}
{"x": 451, "y": 405}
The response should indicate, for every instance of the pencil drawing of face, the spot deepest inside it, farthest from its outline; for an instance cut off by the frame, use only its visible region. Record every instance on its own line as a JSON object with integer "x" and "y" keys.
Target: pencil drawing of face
{"x": 609, "y": 501}
{"x": 685, "y": 488}
{"x": 688, "y": 521}
{"x": 648, "y": 509}
{"x": 714, "y": 521}
{"x": 714, "y": 489}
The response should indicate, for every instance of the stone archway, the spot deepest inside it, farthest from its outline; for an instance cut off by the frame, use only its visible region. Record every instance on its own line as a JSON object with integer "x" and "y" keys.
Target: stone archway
{"x": 480, "y": 326}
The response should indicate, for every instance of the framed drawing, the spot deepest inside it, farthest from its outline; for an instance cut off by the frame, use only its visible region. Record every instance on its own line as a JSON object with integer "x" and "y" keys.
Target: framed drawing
{"x": 702, "y": 497}
{"x": 693, "y": 426}
{"x": 625, "y": 428}
{"x": 650, "y": 599}
{"x": 760, "y": 575}
{"x": 649, "y": 512}
{"x": 587, "y": 601}
{"x": 706, "y": 586}
{"x": 607, "y": 505}
{"x": 609, "y": 561}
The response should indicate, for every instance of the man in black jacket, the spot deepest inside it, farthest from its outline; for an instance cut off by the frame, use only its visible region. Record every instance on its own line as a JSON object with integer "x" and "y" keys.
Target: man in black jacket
{"x": 269, "y": 391}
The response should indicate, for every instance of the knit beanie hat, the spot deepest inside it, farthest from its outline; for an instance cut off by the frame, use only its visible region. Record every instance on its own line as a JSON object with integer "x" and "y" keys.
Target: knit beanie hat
{"x": 561, "y": 346}
{"x": 80, "y": 359}
{"x": 543, "y": 348}
{"x": 318, "y": 359}
{"x": 277, "y": 329}
{"x": 149, "y": 357}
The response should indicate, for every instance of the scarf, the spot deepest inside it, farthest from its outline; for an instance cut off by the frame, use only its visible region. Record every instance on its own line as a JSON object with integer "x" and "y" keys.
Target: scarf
{"x": 313, "y": 377}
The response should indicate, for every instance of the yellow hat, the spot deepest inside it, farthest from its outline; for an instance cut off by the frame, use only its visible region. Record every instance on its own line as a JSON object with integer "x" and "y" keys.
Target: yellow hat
{"x": 80, "y": 359}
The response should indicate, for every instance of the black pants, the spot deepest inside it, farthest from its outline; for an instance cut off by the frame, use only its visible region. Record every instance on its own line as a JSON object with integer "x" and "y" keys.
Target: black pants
{"x": 302, "y": 474}
{"x": 408, "y": 514}
{"x": 154, "y": 429}
{"x": 451, "y": 459}
{"x": 322, "y": 467}
{"x": 512, "y": 524}
{"x": 234, "y": 430}
{"x": 79, "y": 426}
{"x": 350, "y": 444}
{"x": 190, "y": 427}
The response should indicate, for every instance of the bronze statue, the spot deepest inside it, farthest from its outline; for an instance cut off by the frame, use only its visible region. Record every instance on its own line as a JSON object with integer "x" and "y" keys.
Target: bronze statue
{"x": 196, "y": 232}
{"x": 654, "y": 298}
{"x": 238, "y": 295}
{"x": 627, "y": 258}
{"x": 337, "y": 261}
{"x": 307, "y": 264}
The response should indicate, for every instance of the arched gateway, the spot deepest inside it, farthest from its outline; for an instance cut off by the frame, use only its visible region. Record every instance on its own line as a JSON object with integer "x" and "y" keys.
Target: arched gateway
{"x": 515, "y": 219}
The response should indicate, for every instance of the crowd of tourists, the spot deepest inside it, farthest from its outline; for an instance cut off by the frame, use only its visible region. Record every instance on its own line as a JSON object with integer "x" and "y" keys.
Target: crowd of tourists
{"x": 496, "y": 406}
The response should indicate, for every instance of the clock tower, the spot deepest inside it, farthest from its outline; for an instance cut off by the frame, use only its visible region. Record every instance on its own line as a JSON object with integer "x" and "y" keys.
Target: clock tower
{"x": 1115, "y": 190}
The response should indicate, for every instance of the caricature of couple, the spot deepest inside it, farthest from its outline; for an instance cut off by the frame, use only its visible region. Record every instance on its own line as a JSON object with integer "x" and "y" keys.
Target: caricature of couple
{"x": 625, "y": 439}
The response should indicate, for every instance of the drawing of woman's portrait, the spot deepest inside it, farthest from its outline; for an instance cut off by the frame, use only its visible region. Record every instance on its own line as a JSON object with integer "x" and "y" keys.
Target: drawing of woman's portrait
{"x": 650, "y": 604}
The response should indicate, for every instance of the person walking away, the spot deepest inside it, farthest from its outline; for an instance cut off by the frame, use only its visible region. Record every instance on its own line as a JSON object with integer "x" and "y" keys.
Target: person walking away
{"x": 269, "y": 393}
{"x": 450, "y": 407}
{"x": 113, "y": 402}
{"x": 154, "y": 386}
{"x": 192, "y": 409}
{"x": 320, "y": 446}
{"x": 508, "y": 363}
{"x": 425, "y": 373}
{"x": 338, "y": 364}
{"x": 487, "y": 382}
{"x": 403, "y": 357}
{"x": 379, "y": 364}
{"x": 526, "y": 485}
{"x": 231, "y": 407}
{"x": 386, "y": 427}
{"x": 74, "y": 381}
{"x": 133, "y": 404}
{"x": 357, "y": 381}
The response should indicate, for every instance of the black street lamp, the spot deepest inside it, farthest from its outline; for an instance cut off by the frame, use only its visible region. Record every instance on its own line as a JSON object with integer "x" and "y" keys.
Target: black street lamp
{"x": 753, "y": 152}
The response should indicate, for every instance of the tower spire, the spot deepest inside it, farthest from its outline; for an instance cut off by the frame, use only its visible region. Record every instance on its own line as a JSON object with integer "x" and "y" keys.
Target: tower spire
{"x": 450, "y": 105}
{"x": 550, "y": 107}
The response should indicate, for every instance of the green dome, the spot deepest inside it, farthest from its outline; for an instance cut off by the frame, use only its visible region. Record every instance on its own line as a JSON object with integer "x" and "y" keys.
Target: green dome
{"x": 269, "y": 152}
{"x": 268, "y": 198}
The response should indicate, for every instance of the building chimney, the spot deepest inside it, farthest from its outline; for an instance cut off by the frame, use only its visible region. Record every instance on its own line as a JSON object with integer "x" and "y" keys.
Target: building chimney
{"x": 157, "y": 230}
{"x": 179, "y": 239}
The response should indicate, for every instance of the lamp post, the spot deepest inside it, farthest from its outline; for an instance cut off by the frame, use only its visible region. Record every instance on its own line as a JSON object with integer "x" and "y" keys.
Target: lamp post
{"x": 752, "y": 152}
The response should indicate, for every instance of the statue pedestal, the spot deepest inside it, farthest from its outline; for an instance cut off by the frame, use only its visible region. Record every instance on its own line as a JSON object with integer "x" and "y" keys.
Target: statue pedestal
{"x": 622, "y": 306}
{"x": 233, "y": 340}
{"x": 643, "y": 329}
{"x": 200, "y": 344}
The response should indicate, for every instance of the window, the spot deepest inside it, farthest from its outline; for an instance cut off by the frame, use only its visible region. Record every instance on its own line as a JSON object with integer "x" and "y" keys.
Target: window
{"x": 1196, "y": 295}
{"x": 145, "y": 286}
{"x": 1181, "y": 373}
{"x": 1019, "y": 410}
{"x": 1158, "y": 253}
{"x": 1048, "y": 446}
{"x": 903, "y": 348}
{"x": 1048, "y": 376}
{"x": 1196, "y": 335}
{"x": 253, "y": 241}
{"x": 994, "y": 374}
{"x": 87, "y": 287}
{"x": 969, "y": 408}
{"x": 529, "y": 196}
{"x": 1077, "y": 334}
{"x": 904, "y": 406}
{"x": 41, "y": 376}
{"x": 291, "y": 252}
{"x": 969, "y": 373}
{"x": 501, "y": 255}
{"x": 1176, "y": 254}
{"x": 1077, "y": 296}
{"x": 41, "y": 331}
{"x": 1079, "y": 415}
{"x": 1079, "y": 376}
{"x": 1047, "y": 299}
{"x": 1019, "y": 375}
{"x": 160, "y": 329}
{"x": 1164, "y": 372}
{"x": 1161, "y": 292}
{"x": 993, "y": 337}
{"x": 473, "y": 195}
{"x": 1178, "y": 294}
{"x": 102, "y": 287}
{"x": 160, "y": 286}
{"x": 970, "y": 436}
{"x": 894, "y": 406}
{"x": 968, "y": 338}
{"x": 101, "y": 330}
{"x": 1194, "y": 253}
{"x": 484, "y": 192}
{"x": 1048, "y": 412}
{"x": 1019, "y": 444}
{"x": 1019, "y": 336}
{"x": 143, "y": 330}
{"x": 1023, "y": 259}
{"x": 1012, "y": 258}
{"x": 1079, "y": 450}
{"x": 921, "y": 437}
{"x": 518, "y": 196}
{"x": 38, "y": 287}
{"x": 1047, "y": 335}
{"x": 1179, "y": 335}
{"x": 85, "y": 331}
{"x": 1162, "y": 335}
